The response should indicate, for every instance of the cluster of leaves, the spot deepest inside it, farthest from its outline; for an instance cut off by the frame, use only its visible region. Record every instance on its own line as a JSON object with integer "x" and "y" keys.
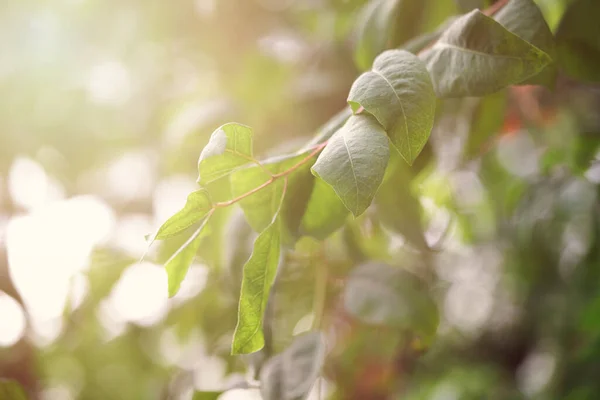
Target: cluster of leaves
{"x": 363, "y": 157}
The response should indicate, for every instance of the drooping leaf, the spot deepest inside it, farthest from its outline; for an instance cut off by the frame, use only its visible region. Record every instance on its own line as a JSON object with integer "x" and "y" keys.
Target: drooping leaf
{"x": 353, "y": 162}
{"x": 258, "y": 277}
{"x": 206, "y": 395}
{"x": 325, "y": 212}
{"x": 399, "y": 93}
{"x": 578, "y": 41}
{"x": 260, "y": 207}
{"x": 11, "y": 390}
{"x": 197, "y": 205}
{"x": 291, "y": 374}
{"x": 524, "y": 19}
{"x": 229, "y": 147}
{"x": 178, "y": 265}
{"x": 374, "y": 27}
{"x": 478, "y": 56}
{"x": 381, "y": 294}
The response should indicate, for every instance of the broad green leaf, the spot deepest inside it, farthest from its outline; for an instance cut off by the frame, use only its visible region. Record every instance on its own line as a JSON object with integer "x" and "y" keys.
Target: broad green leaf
{"x": 399, "y": 93}
{"x": 478, "y": 56}
{"x": 229, "y": 147}
{"x": 524, "y": 19}
{"x": 578, "y": 41}
{"x": 291, "y": 374}
{"x": 260, "y": 207}
{"x": 374, "y": 27}
{"x": 197, "y": 205}
{"x": 325, "y": 212}
{"x": 11, "y": 390}
{"x": 259, "y": 275}
{"x": 177, "y": 266}
{"x": 353, "y": 162}
{"x": 206, "y": 395}
{"x": 380, "y": 294}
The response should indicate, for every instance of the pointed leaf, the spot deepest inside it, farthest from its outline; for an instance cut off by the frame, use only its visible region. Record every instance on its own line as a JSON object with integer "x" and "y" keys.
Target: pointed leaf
{"x": 291, "y": 374}
{"x": 353, "y": 162}
{"x": 325, "y": 212}
{"x": 258, "y": 278}
{"x": 399, "y": 93}
{"x": 178, "y": 265}
{"x": 229, "y": 147}
{"x": 196, "y": 207}
{"x": 524, "y": 19}
{"x": 374, "y": 27}
{"x": 478, "y": 56}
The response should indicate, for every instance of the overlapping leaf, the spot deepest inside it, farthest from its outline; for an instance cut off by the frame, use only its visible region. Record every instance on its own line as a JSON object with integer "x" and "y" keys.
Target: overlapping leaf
{"x": 399, "y": 93}
{"x": 478, "y": 56}
{"x": 229, "y": 147}
{"x": 325, "y": 212}
{"x": 197, "y": 205}
{"x": 353, "y": 162}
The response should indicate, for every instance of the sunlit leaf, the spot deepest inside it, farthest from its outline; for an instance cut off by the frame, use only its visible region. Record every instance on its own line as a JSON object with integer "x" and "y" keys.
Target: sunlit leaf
{"x": 197, "y": 205}
{"x": 478, "y": 56}
{"x": 291, "y": 374}
{"x": 229, "y": 147}
{"x": 399, "y": 93}
{"x": 524, "y": 19}
{"x": 380, "y": 294}
{"x": 259, "y": 275}
{"x": 353, "y": 162}
{"x": 177, "y": 266}
{"x": 325, "y": 212}
{"x": 374, "y": 26}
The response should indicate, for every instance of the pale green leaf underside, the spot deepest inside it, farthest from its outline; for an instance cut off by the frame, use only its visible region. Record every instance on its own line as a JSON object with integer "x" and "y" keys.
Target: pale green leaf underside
{"x": 196, "y": 207}
{"x": 229, "y": 147}
{"x": 398, "y": 92}
{"x": 178, "y": 265}
{"x": 258, "y": 277}
{"x": 353, "y": 162}
{"x": 477, "y": 56}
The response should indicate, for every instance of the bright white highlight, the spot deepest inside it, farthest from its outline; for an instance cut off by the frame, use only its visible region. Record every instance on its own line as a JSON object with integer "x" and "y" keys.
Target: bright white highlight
{"x": 12, "y": 326}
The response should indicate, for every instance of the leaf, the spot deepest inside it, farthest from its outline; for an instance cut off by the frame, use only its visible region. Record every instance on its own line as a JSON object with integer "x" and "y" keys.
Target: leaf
{"x": 229, "y": 147}
{"x": 524, "y": 19}
{"x": 374, "y": 27}
{"x": 379, "y": 294}
{"x": 578, "y": 41}
{"x": 325, "y": 212}
{"x": 399, "y": 93}
{"x": 178, "y": 265}
{"x": 330, "y": 127}
{"x": 291, "y": 374}
{"x": 197, "y": 205}
{"x": 259, "y": 275}
{"x": 11, "y": 390}
{"x": 206, "y": 395}
{"x": 260, "y": 207}
{"x": 478, "y": 56}
{"x": 353, "y": 162}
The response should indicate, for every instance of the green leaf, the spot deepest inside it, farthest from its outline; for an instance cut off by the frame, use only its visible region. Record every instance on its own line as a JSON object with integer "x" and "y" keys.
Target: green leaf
{"x": 11, "y": 390}
{"x": 478, "y": 56}
{"x": 206, "y": 395}
{"x": 229, "y": 147}
{"x": 325, "y": 212}
{"x": 326, "y": 131}
{"x": 524, "y": 19}
{"x": 578, "y": 41}
{"x": 178, "y": 265}
{"x": 353, "y": 162}
{"x": 380, "y": 294}
{"x": 399, "y": 93}
{"x": 291, "y": 374}
{"x": 197, "y": 205}
{"x": 260, "y": 207}
{"x": 374, "y": 27}
{"x": 259, "y": 275}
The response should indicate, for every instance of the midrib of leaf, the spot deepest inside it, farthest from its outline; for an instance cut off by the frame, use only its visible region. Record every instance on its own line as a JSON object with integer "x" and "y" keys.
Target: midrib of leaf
{"x": 480, "y": 53}
{"x": 401, "y": 108}
{"x": 353, "y": 172}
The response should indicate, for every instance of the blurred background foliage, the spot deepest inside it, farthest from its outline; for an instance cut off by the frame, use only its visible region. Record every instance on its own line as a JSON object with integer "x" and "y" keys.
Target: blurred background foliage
{"x": 105, "y": 108}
